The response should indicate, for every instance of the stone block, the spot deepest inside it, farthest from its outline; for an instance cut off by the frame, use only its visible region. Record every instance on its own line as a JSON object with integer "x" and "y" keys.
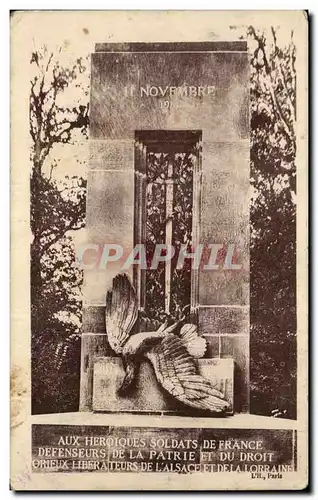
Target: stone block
{"x": 237, "y": 347}
{"x": 111, "y": 154}
{"x": 147, "y": 396}
{"x": 223, "y": 319}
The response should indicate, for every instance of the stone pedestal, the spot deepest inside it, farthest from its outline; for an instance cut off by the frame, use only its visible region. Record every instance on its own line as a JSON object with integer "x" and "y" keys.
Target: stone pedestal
{"x": 122, "y": 106}
{"x": 146, "y": 396}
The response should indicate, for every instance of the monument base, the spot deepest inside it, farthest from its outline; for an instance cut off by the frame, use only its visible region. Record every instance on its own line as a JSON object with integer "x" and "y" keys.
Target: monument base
{"x": 146, "y": 396}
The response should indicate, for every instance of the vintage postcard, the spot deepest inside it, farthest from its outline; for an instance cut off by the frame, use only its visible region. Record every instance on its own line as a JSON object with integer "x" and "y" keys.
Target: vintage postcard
{"x": 159, "y": 250}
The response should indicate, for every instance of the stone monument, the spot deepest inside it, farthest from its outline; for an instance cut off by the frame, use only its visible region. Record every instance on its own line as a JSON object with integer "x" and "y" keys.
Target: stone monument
{"x": 169, "y": 122}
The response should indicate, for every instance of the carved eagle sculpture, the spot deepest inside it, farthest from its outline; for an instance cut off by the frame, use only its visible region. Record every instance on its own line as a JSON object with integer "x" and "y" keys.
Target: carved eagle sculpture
{"x": 171, "y": 355}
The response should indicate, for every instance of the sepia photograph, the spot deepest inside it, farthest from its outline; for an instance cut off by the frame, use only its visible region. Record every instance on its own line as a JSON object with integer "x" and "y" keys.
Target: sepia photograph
{"x": 159, "y": 260}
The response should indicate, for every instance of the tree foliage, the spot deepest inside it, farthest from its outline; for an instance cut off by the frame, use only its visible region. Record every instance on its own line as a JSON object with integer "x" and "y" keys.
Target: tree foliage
{"x": 273, "y": 224}
{"x": 57, "y": 209}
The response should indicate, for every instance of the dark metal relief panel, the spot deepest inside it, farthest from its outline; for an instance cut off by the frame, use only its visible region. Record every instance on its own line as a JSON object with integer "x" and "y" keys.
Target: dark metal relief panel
{"x": 182, "y": 230}
{"x": 157, "y": 169}
{"x": 165, "y": 165}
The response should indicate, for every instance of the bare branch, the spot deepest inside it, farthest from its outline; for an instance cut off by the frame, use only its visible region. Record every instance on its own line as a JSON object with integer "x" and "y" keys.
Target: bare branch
{"x": 46, "y": 129}
{"x": 71, "y": 226}
{"x": 282, "y": 77}
{"x": 269, "y": 79}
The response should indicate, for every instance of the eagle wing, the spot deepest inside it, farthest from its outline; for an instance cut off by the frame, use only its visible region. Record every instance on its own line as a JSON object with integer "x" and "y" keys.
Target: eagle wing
{"x": 177, "y": 373}
{"x": 121, "y": 312}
